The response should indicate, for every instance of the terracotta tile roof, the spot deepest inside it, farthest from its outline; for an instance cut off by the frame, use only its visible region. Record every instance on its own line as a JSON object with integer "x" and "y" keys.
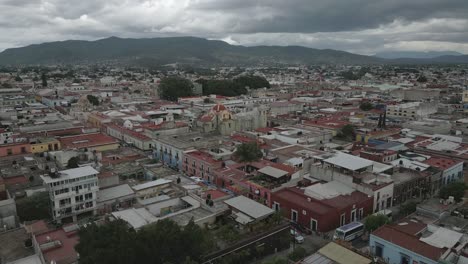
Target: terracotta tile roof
{"x": 442, "y": 163}
{"x": 15, "y": 180}
{"x": 409, "y": 242}
{"x": 199, "y": 155}
{"x": 410, "y": 226}
{"x": 297, "y": 196}
{"x": 86, "y": 141}
{"x": 65, "y": 253}
{"x": 129, "y": 132}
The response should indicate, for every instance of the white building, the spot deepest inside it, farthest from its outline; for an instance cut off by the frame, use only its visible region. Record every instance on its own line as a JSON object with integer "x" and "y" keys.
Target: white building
{"x": 72, "y": 192}
{"x": 413, "y": 110}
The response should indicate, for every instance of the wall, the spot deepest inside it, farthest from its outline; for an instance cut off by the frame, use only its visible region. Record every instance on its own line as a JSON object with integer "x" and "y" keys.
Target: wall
{"x": 108, "y": 181}
{"x": 53, "y": 145}
{"x": 325, "y": 222}
{"x": 156, "y": 208}
{"x": 105, "y": 147}
{"x": 152, "y": 191}
{"x": 455, "y": 173}
{"x": 15, "y": 149}
{"x": 392, "y": 253}
{"x": 8, "y": 213}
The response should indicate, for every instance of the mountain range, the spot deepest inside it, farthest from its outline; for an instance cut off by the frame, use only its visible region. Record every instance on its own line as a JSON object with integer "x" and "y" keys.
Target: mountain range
{"x": 415, "y": 54}
{"x": 191, "y": 51}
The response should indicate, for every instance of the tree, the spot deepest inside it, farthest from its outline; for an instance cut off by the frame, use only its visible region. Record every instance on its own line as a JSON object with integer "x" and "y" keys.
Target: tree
{"x": 366, "y": 106}
{"x": 222, "y": 87}
{"x": 171, "y": 88}
{"x": 276, "y": 260}
{"x": 162, "y": 242}
{"x": 18, "y": 78}
{"x": 408, "y": 208}
{"x": 44, "y": 80}
{"x": 347, "y": 132}
{"x": 252, "y": 81}
{"x": 372, "y": 222}
{"x": 92, "y": 99}
{"x": 7, "y": 85}
{"x": 298, "y": 254}
{"x": 248, "y": 152}
{"x": 34, "y": 207}
{"x": 422, "y": 79}
{"x": 455, "y": 189}
{"x": 72, "y": 163}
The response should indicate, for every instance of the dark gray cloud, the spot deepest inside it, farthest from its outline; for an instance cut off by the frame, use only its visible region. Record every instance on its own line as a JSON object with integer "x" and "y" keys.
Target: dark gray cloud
{"x": 363, "y": 26}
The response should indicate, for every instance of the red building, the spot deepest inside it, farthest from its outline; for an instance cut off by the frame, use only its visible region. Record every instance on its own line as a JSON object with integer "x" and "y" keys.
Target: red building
{"x": 200, "y": 164}
{"x": 15, "y": 149}
{"x": 324, "y": 214}
{"x": 255, "y": 180}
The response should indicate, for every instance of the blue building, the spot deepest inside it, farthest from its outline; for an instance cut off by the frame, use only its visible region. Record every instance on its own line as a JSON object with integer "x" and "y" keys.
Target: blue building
{"x": 412, "y": 242}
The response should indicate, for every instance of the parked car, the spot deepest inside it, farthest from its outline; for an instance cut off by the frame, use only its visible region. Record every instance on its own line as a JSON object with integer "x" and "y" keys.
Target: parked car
{"x": 299, "y": 239}
{"x": 196, "y": 179}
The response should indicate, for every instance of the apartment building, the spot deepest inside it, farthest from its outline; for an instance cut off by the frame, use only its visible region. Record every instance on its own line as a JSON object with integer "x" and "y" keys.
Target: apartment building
{"x": 72, "y": 192}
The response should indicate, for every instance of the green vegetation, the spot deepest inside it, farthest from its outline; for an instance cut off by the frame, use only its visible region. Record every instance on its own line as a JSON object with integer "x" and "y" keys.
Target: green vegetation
{"x": 347, "y": 132}
{"x": 408, "y": 208}
{"x": 276, "y": 260}
{"x": 162, "y": 242}
{"x": 248, "y": 152}
{"x": 455, "y": 189}
{"x": 18, "y": 79}
{"x": 297, "y": 254}
{"x": 72, "y": 163}
{"x": 35, "y": 207}
{"x": 372, "y": 222}
{"x": 222, "y": 87}
{"x": 252, "y": 81}
{"x": 422, "y": 79}
{"x": 234, "y": 87}
{"x": 92, "y": 99}
{"x": 44, "y": 80}
{"x": 185, "y": 50}
{"x": 171, "y": 88}
{"x": 366, "y": 106}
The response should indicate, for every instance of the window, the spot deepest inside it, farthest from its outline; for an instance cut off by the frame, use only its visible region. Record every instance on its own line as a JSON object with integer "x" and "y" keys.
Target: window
{"x": 23, "y": 149}
{"x": 9, "y": 152}
{"x": 343, "y": 220}
{"x": 294, "y": 215}
{"x": 88, "y": 196}
{"x": 276, "y": 206}
{"x": 313, "y": 224}
{"x": 405, "y": 259}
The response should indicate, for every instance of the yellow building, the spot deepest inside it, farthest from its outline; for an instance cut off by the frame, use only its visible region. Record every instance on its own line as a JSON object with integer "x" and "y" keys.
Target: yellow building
{"x": 97, "y": 119}
{"x": 365, "y": 136}
{"x": 45, "y": 144}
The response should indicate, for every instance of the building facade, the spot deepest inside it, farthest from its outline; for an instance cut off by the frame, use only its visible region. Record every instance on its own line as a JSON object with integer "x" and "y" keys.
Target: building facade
{"x": 72, "y": 192}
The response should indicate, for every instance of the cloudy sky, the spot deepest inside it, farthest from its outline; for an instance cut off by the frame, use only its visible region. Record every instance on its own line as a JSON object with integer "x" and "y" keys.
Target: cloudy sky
{"x": 360, "y": 26}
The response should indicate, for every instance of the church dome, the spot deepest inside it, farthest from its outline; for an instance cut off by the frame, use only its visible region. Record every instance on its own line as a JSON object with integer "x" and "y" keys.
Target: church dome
{"x": 219, "y": 108}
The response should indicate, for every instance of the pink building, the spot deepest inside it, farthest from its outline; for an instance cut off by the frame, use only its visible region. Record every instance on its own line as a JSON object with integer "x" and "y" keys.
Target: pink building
{"x": 200, "y": 164}
{"x": 14, "y": 149}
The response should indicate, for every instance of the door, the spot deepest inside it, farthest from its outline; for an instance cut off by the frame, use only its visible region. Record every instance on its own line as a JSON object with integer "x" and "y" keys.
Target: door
{"x": 313, "y": 225}
{"x": 293, "y": 215}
